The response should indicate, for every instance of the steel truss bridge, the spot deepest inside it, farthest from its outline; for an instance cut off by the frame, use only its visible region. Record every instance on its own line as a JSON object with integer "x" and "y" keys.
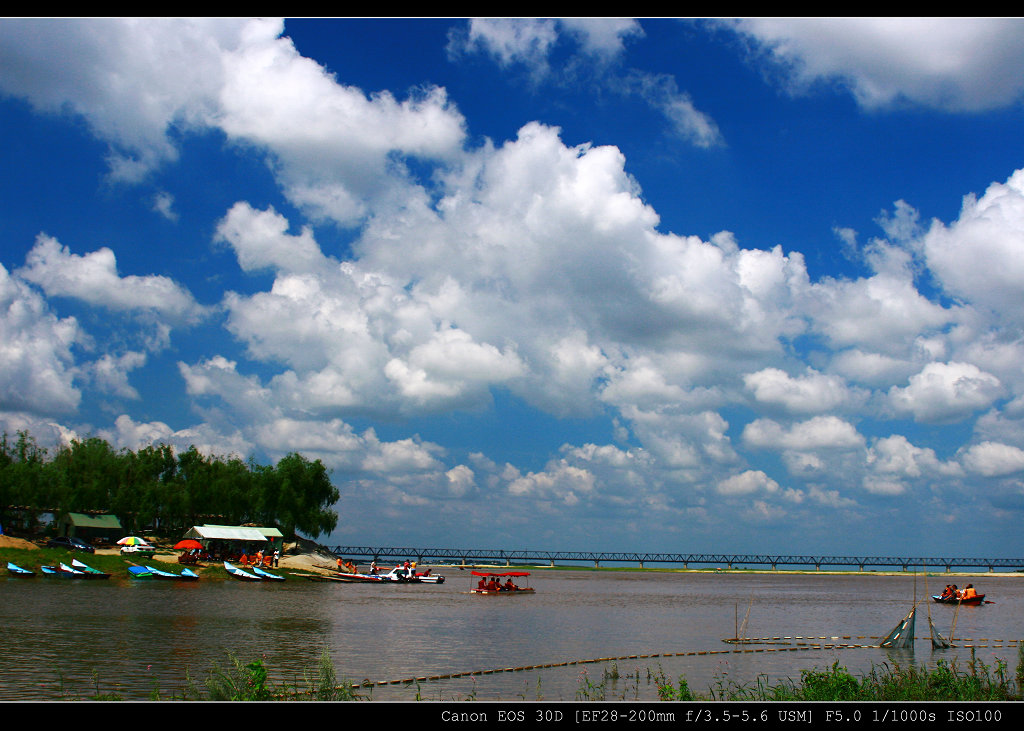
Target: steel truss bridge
{"x": 536, "y": 558}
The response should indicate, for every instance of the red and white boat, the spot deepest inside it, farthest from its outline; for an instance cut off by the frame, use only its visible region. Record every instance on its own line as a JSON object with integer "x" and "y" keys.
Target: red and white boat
{"x": 397, "y": 575}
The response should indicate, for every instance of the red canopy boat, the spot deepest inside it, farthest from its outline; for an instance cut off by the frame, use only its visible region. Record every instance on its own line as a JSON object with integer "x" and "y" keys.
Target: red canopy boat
{"x": 496, "y": 588}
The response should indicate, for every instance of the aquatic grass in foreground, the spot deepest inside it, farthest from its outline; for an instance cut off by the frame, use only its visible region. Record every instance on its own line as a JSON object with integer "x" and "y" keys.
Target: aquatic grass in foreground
{"x": 947, "y": 682}
{"x": 246, "y": 682}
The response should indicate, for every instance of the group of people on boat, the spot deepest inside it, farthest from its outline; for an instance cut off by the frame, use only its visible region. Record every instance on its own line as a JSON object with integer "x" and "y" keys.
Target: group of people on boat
{"x": 951, "y": 592}
{"x": 495, "y": 585}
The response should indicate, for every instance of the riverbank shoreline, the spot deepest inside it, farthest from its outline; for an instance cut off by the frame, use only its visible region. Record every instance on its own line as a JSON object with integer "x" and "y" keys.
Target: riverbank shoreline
{"x": 713, "y": 570}
{"x": 315, "y": 559}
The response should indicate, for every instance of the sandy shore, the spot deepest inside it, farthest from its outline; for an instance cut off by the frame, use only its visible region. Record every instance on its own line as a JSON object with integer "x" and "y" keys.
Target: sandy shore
{"x": 312, "y": 562}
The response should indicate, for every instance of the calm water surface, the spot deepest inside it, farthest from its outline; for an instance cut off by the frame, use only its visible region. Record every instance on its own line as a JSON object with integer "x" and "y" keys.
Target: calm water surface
{"x": 71, "y": 638}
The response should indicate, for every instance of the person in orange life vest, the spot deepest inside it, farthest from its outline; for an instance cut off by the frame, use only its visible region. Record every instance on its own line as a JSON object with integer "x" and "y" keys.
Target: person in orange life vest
{"x": 970, "y": 592}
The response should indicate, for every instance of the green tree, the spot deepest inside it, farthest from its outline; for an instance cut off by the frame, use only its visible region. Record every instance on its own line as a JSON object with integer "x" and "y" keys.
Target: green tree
{"x": 22, "y": 479}
{"x": 299, "y": 494}
{"x": 156, "y": 486}
{"x": 85, "y": 476}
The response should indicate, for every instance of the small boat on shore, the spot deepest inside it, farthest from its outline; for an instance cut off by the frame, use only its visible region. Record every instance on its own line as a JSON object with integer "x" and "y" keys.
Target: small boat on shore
{"x": 63, "y": 571}
{"x": 494, "y": 587}
{"x": 89, "y": 571}
{"x": 75, "y": 573}
{"x": 15, "y": 570}
{"x": 185, "y": 575}
{"x": 266, "y": 574}
{"x": 239, "y": 574}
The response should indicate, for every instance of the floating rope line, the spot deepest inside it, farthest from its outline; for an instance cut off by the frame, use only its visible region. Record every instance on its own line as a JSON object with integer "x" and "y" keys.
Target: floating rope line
{"x": 791, "y": 644}
{"x": 778, "y": 640}
{"x": 692, "y": 653}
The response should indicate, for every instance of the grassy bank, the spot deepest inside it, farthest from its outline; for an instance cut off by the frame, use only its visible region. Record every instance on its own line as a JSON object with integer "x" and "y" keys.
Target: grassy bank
{"x": 114, "y": 564}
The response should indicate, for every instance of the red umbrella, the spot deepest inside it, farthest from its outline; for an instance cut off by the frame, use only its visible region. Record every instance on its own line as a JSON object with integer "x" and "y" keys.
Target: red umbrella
{"x": 187, "y": 545}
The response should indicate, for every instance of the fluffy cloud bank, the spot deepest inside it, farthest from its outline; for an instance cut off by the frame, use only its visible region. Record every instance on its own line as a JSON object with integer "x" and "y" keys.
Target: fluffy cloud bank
{"x": 959, "y": 64}
{"x": 530, "y": 268}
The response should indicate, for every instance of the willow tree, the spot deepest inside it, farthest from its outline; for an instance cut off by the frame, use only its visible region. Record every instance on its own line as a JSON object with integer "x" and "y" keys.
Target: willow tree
{"x": 297, "y": 494}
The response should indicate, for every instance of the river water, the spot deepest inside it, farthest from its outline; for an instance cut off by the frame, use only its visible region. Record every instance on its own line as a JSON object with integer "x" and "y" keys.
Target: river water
{"x": 72, "y": 639}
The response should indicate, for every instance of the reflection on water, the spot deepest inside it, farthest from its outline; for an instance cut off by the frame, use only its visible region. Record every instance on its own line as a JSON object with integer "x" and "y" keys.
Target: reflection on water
{"x": 73, "y": 638}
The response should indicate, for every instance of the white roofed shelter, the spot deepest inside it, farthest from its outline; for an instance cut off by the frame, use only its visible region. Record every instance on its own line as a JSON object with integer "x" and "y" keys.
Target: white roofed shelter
{"x": 226, "y": 533}
{"x": 239, "y": 536}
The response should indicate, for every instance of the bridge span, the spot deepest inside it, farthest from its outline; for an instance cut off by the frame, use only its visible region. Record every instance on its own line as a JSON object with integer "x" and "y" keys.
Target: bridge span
{"x": 470, "y": 557}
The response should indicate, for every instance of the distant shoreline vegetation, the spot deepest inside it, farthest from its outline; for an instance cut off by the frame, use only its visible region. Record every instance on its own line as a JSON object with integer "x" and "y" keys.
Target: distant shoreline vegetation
{"x": 157, "y": 488}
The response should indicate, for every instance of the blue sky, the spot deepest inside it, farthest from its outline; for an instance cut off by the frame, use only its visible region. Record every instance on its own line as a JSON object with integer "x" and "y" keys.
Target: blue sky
{"x": 582, "y": 284}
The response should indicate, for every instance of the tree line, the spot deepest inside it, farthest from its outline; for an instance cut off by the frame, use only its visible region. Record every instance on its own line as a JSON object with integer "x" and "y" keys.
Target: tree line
{"x": 158, "y": 488}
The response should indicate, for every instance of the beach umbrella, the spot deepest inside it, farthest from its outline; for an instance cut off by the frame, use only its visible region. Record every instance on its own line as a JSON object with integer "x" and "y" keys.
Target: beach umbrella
{"x": 132, "y": 541}
{"x": 187, "y": 545}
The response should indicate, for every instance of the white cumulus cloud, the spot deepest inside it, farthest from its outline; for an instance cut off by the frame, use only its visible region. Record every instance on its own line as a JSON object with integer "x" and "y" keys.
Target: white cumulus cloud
{"x": 958, "y": 64}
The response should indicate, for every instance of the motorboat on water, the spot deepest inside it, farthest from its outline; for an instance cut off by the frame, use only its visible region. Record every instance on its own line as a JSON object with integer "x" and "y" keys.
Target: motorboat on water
{"x": 972, "y": 601}
{"x": 411, "y": 576}
{"x": 397, "y": 575}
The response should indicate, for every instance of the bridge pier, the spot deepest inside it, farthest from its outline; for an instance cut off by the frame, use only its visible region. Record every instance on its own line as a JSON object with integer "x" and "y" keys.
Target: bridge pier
{"x": 597, "y": 564}
{"x": 773, "y": 567}
{"x": 641, "y": 564}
